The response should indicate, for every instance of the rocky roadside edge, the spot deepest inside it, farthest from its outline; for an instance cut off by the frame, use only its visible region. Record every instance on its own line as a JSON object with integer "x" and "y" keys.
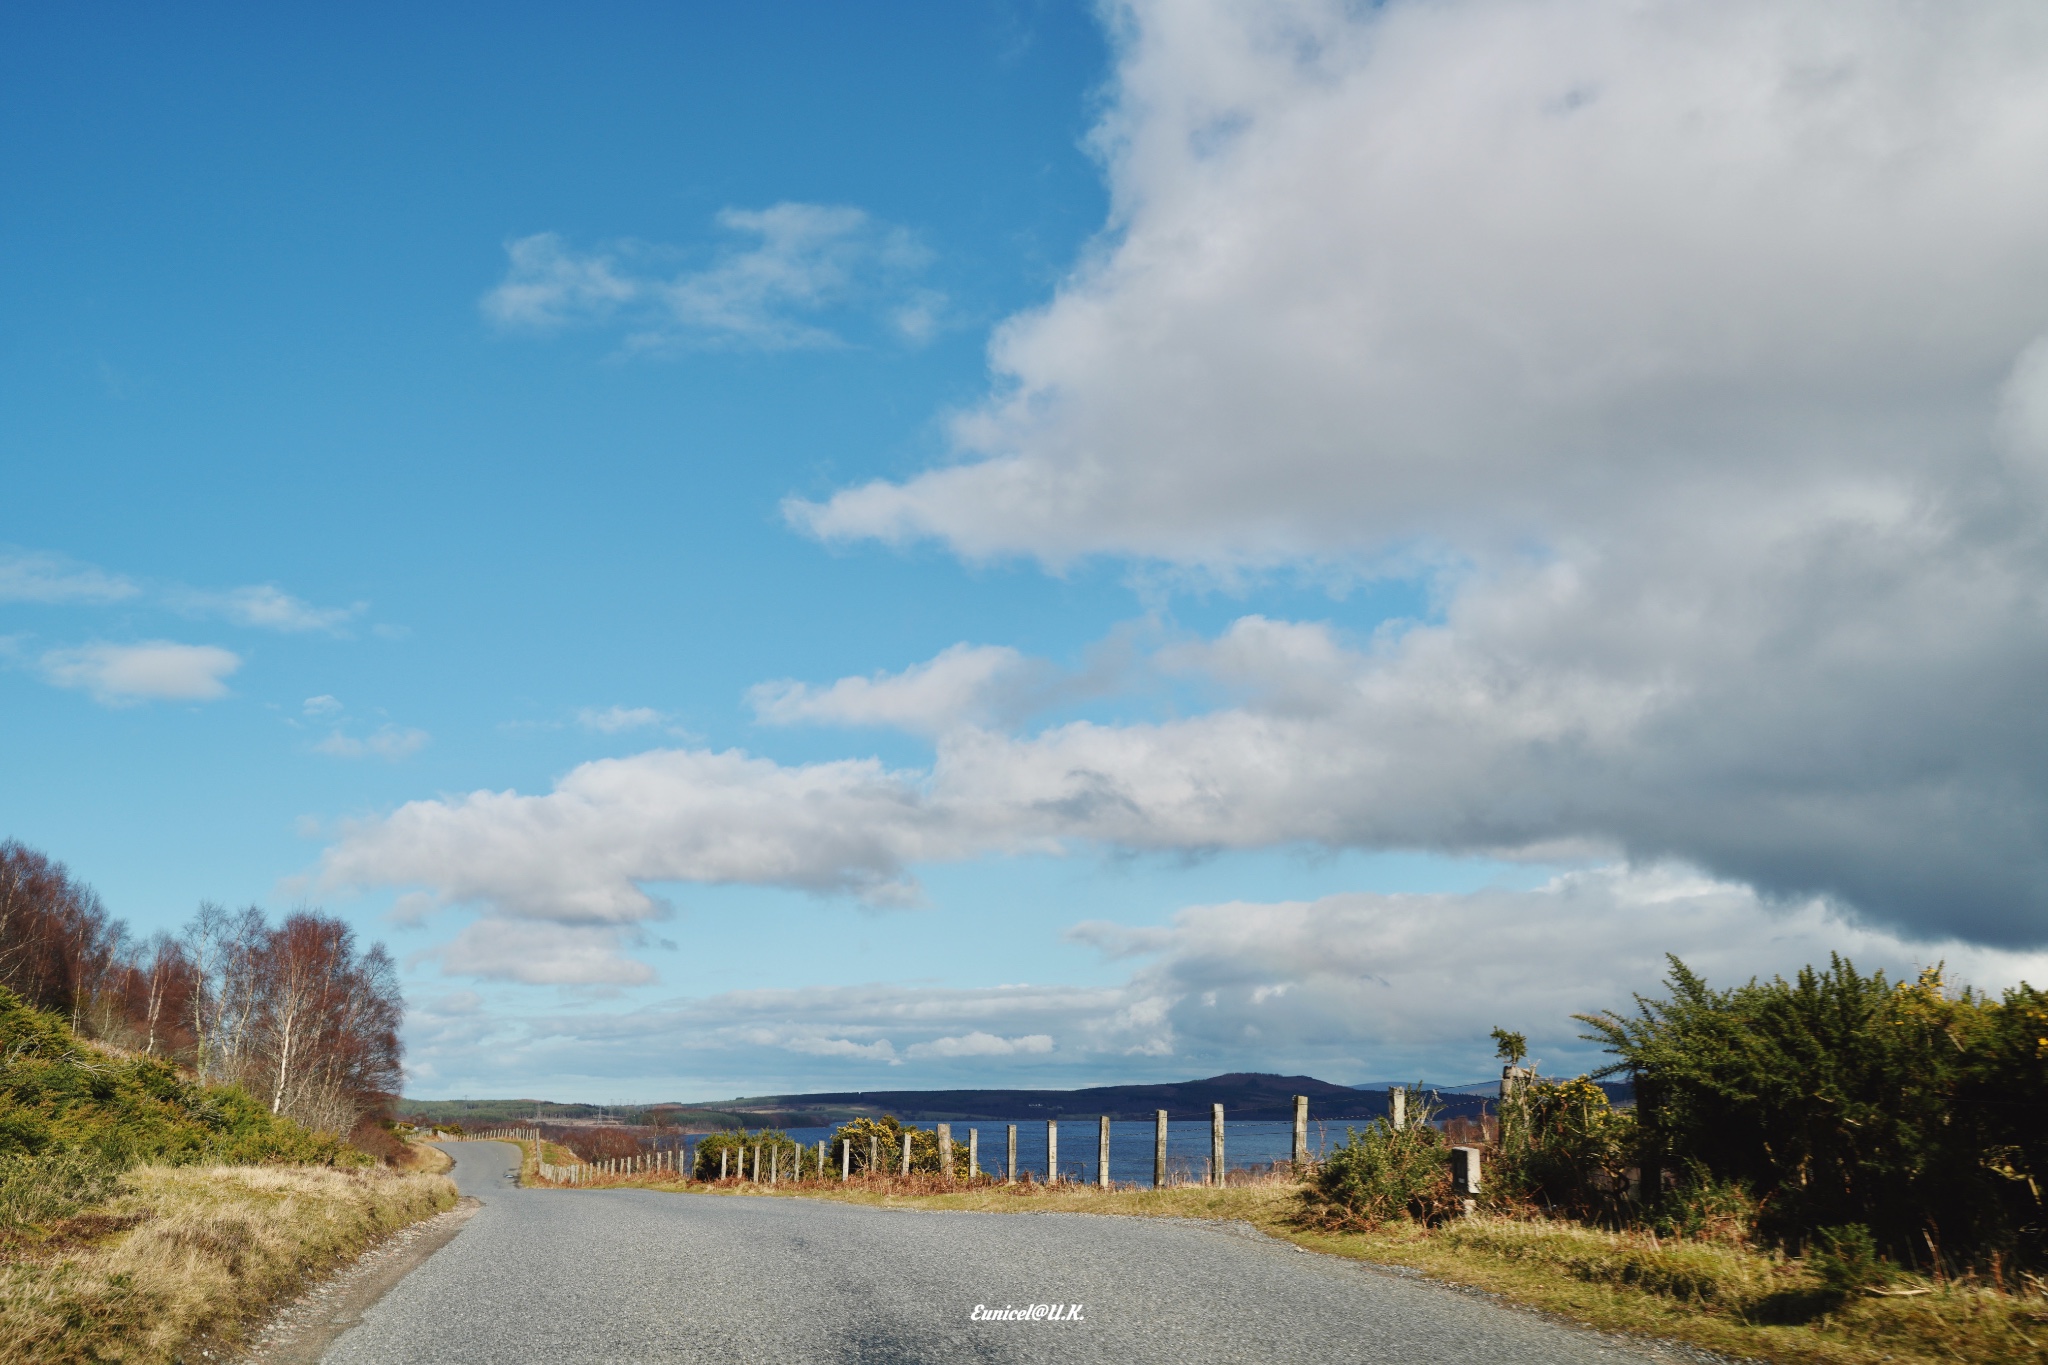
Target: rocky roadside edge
{"x": 300, "y": 1332}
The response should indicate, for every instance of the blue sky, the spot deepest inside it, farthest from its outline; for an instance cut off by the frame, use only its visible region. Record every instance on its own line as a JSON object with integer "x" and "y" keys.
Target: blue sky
{"x": 1318, "y": 555}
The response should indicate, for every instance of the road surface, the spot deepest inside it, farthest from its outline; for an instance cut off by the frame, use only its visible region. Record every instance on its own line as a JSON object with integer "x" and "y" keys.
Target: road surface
{"x": 578, "y": 1277}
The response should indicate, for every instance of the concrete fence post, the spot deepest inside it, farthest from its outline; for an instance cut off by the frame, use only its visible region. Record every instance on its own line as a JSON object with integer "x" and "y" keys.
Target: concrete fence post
{"x": 1397, "y": 1102}
{"x": 1300, "y": 1134}
{"x": 1216, "y": 1144}
{"x": 973, "y": 1153}
{"x": 1011, "y": 1178}
{"x": 1052, "y": 1151}
{"x": 845, "y": 1158}
{"x": 1465, "y": 1175}
{"x": 1159, "y": 1150}
{"x": 906, "y": 1151}
{"x": 1102, "y": 1154}
{"x": 946, "y": 1150}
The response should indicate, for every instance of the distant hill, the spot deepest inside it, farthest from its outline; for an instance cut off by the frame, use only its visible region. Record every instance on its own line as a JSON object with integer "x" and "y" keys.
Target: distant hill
{"x": 1243, "y": 1095}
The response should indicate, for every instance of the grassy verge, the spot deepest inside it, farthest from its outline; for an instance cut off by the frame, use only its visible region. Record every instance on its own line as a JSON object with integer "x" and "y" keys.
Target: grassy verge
{"x": 181, "y": 1255}
{"x": 1727, "y": 1299}
{"x": 419, "y": 1157}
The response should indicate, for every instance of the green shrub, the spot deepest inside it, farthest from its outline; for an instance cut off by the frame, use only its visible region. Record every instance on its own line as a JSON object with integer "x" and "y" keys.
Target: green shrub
{"x": 1382, "y": 1173}
{"x": 60, "y": 1095}
{"x": 1565, "y": 1148}
{"x": 73, "y": 1117}
{"x": 1838, "y": 1099}
{"x": 737, "y": 1145}
{"x": 1699, "y": 1207}
{"x": 1846, "y": 1259}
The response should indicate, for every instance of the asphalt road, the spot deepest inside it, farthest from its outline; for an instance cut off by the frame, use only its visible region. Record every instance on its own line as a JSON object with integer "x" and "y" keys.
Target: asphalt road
{"x": 618, "y": 1276}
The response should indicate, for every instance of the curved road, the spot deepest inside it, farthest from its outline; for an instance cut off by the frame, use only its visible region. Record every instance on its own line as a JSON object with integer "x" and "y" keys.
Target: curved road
{"x": 625, "y": 1276}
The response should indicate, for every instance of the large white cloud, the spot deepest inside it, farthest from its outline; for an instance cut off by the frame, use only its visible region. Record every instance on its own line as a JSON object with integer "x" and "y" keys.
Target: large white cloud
{"x": 1695, "y": 345}
{"x": 1485, "y": 268}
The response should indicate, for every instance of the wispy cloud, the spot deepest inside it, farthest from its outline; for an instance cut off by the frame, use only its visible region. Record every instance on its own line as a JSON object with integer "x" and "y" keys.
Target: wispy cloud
{"x": 39, "y": 576}
{"x": 154, "y": 670}
{"x": 788, "y": 272}
{"x": 31, "y": 576}
{"x": 265, "y": 606}
{"x": 613, "y": 720}
{"x": 388, "y": 742}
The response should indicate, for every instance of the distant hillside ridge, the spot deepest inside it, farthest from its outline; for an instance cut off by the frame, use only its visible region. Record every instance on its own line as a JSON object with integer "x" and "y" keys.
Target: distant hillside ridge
{"x": 1246, "y": 1095}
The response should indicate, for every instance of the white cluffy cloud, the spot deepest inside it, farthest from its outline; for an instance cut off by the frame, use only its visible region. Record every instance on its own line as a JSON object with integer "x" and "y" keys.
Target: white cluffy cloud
{"x": 800, "y": 263}
{"x": 1347, "y": 988}
{"x": 154, "y": 670}
{"x": 1480, "y": 270}
{"x": 963, "y": 683}
{"x": 979, "y": 1044}
{"x": 1700, "y": 349}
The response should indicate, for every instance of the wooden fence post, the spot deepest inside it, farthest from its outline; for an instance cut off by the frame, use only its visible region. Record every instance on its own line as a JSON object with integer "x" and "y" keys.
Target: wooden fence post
{"x": 823, "y": 1148}
{"x": 1011, "y": 1179}
{"x": 1216, "y": 1144}
{"x": 722, "y": 1156}
{"x": 906, "y": 1151}
{"x": 946, "y": 1150}
{"x": 774, "y": 1161}
{"x": 1159, "y": 1150}
{"x": 1398, "y": 1103}
{"x": 973, "y": 1153}
{"x": 845, "y": 1159}
{"x": 874, "y": 1155}
{"x": 1102, "y": 1155}
{"x": 1052, "y": 1151}
{"x": 1300, "y": 1134}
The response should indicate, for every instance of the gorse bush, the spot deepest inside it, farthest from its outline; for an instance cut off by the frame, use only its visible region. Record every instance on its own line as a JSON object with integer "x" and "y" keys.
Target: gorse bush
{"x": 1382, "y": 1173}
{"x": 887, "y": 1135}
{"x": 1838, "y": 1098}
{"x": 1565, "y": 1148}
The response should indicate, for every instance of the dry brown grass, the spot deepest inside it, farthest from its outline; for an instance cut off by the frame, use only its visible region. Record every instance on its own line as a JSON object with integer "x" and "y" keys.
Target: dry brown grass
{"x": 200, "y": 1253}
{"x": 418, "y": 1156}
